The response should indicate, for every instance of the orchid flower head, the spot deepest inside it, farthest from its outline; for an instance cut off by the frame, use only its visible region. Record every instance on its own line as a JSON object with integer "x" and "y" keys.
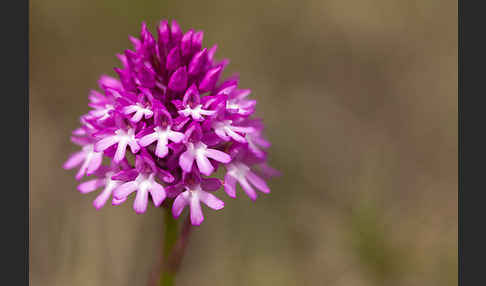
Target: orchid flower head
{"x": 161, "y": 129}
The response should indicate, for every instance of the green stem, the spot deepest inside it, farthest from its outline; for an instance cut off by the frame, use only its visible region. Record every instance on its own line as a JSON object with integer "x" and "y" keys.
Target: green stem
{"x": 170, "y": 238}
{"x": 174, "y": 247}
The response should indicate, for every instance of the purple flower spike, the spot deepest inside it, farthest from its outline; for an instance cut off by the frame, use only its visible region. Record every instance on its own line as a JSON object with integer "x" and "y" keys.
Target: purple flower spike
{"x": 179, "y": 121}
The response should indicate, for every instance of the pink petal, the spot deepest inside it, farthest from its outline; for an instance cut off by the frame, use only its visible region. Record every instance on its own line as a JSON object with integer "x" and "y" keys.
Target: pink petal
{"x": 117, "y": 202}
{"x": 211, "y": 201}
{"x": 137, "y": 116}
{"x": 141, "y": 201}
{"x": 184, "y": 112}
{"x": 179, "y": 204}
{"x": 230, "y": 185}
{"x": 248, "y": 189}
{"x": 120, "y": 151}
{"x": 94, "y": 163}
{"x": 186, "y": 160}
{"x": 105, "y": 143}
{"x": 176, "y": 137}
{"x": 158, "y": 194}
{"x": 262, "y": 142}
{"x": 204, "y": 165}
{"x": 237, "y": 137}
{"x": 101, "y": 199}
{"x": 91, "y": 185}
{"x": 218, "y": 155}
{"x": 161, "y": 149}
{"x": 79, "y": 132}
{"x": 134, "y": 146}
{"x": 74, "y": 160}
{"x": 130, "y": 109}
{"x": 258, "y": 182}
{"x": 197, "y": 216}
{"x": 253, "y": 148}
{"x": 148, "y": 139}
{"x": 82, "y": 170}
{"x": 207, "y": 112}
{"x": 243, "y": 93}
{"x": 108, "y": 81}
{"x": 221, "y": 134}
{"x": 243, "y": 129}
{"x": 81, "y": 141}
{"x": 268, "y": 171}
{"x": 124, "y": 190}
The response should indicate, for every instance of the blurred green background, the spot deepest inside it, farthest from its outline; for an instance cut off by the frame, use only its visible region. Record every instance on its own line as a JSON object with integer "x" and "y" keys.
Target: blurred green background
{"x": 359, "y": 99}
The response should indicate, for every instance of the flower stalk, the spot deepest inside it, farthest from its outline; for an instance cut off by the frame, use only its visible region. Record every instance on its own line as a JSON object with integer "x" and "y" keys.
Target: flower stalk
{"x": 174, "y": 246}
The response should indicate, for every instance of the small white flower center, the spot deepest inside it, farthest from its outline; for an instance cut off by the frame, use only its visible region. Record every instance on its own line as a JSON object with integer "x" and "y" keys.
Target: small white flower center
{"x": 125, "y": 135}
{"x": 144, "y": 182}
{"x": 194, "y": 190}
{"x": 162, "y": 133}
{"x": 200, "y": 149}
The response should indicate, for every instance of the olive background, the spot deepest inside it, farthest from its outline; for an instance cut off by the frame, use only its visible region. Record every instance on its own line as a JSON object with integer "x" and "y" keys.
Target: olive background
{"x": 359, "y": 99}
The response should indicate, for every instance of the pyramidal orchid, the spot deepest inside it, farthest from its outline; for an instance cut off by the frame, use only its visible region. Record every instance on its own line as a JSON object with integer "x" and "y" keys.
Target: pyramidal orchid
{"x": 165, "y": 124}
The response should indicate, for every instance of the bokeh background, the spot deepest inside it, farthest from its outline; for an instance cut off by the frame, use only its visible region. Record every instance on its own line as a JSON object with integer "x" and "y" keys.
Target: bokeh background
{"x": 359, "y": 100}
